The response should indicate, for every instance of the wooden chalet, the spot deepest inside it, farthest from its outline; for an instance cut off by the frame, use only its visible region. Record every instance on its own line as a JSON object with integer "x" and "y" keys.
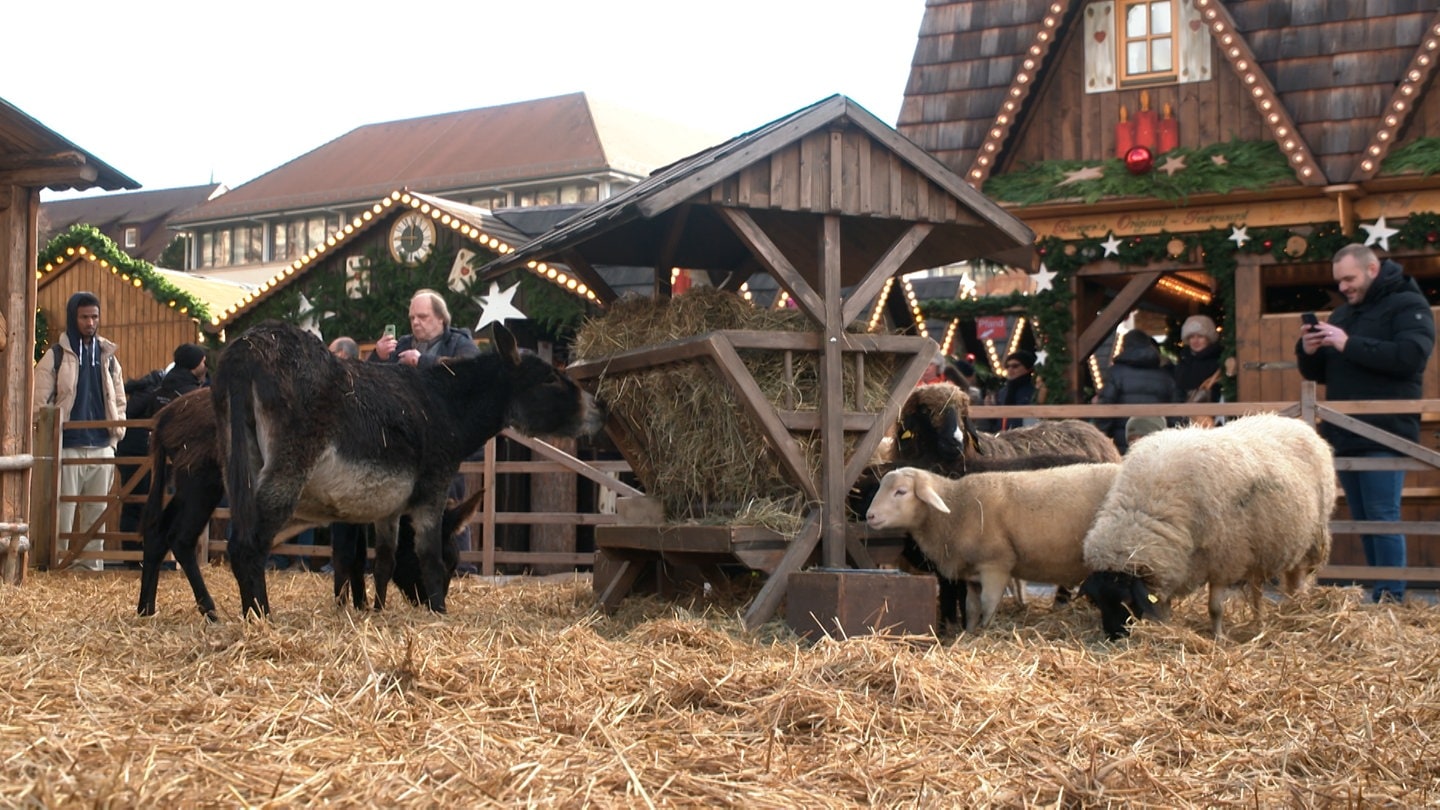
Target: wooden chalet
{"x": 146, "y": 311}
{"x": 32, "y": 157}
{"x": 1273, "y": 133}
{"x": 831, "y": 203}
{"x": 1279, "y": 129}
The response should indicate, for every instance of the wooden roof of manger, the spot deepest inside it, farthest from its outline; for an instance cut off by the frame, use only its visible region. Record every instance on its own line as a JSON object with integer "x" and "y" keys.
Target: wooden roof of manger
{"x": 785, "y": 176}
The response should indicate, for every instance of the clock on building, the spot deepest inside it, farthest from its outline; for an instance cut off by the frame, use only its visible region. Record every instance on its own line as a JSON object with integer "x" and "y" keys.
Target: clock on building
{"x": 412, "y": 237}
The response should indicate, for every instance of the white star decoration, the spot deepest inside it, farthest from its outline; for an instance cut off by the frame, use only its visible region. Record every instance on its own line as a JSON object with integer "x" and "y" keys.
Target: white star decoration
{"x": 1379, "y": 232}
{"x": 1111, "y": 245}
{"x": 1043, "y": 279}
{"x": 1239, "y": 235}
{"x": 1040, "y": 357}
{"x": 1173, "y": 164}
{"x": 497, "y": 307}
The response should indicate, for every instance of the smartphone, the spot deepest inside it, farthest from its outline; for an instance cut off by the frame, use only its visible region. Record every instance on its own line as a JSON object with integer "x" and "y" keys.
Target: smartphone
{"x": 390, "y": 329}
{"x": 1309, "y": 319}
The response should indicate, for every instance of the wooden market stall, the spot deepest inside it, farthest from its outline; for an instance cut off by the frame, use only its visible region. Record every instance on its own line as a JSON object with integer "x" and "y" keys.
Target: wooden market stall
{"x": 1195, "y": 156}
{"x": 833, "y": 204}
{"x": 32, "y": 157}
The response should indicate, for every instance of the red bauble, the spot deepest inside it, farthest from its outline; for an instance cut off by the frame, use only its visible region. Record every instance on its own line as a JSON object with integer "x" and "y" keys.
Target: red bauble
{"x": 1139, "y": 160}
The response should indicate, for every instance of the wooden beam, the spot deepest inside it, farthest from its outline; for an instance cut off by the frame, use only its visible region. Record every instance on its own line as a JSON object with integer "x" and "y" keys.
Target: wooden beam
{"x": 771, "y": 256}
{"x": 665, "y": 258}
{"x": 801, "y": 547}
{"x": 832, "y": 399}
{"x": 755, "y": 403}
{"x": 59, "y": 176}
{"x": 1114, "y": 313}
{"x": 903, "y": 248}
{"x": 581, "y": 268}
{"x": 36, "y": 160}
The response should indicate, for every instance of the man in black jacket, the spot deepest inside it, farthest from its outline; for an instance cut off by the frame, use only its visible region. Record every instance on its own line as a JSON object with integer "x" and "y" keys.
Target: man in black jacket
{"x": 1374, "y": 346}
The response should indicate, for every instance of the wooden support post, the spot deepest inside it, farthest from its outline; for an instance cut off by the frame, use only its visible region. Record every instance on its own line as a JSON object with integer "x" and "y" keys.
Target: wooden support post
{"x": 801, "y": 547}
{"x": 833, "y": 486}
{"x": 45, "y": 488}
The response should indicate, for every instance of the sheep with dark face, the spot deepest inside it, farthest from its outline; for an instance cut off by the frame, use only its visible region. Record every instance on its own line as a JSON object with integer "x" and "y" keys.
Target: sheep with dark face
{"x": 1227, "y": 506}
{"x": 988, "y": 527}
{"x": 936, "y": 433}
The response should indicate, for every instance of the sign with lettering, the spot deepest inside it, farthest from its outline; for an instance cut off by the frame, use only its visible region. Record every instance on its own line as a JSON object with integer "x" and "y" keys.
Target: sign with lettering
{"x": 990, "y": 327}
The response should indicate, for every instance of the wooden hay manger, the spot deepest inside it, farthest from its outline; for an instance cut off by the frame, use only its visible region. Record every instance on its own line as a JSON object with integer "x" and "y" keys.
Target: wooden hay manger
{"x": 686, "y": 433}
{"x": 522, "y": 696}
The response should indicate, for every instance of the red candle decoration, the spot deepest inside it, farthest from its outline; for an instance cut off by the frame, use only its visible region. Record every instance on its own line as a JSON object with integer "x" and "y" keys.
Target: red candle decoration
{"x": 1145, "y": 123}
{"x": 1124, "y": 134}
{"x": 1139, "y": 160}
{"x": 1169, "y": 131}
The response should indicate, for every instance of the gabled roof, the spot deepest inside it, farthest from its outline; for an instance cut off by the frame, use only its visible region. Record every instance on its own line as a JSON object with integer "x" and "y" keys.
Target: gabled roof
{"x": 111, "y": 213}
{"x": 1335, "y": 86}
{"x": 562, "y": 136}
{"x": 476, "y": 224}
{"x": 633, "y": 236}
{"x": 35, "y": 156}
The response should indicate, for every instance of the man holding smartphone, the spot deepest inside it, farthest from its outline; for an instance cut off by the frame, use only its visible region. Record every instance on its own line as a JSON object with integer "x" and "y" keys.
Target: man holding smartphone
{"x": 431, "y": 339}
{"x": 1374, "y": 346}
{"x": 431, "y": 335}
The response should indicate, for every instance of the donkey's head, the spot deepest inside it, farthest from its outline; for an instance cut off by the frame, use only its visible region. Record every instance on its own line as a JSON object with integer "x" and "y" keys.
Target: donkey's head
{"x": 544, "y": 401}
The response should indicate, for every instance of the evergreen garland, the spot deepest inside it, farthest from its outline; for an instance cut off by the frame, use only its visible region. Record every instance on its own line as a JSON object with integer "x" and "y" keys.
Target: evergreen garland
{"x": 1249, "y": 165}
{"x": 1049, "y": 311}
{"x": 66, "y": 245}
{"x": 1421, "y": 155}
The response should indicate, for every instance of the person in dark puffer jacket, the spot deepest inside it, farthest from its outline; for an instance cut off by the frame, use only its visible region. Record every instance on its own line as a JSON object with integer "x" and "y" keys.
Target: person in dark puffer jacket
{"x": 1136, "y": 376}
{"x": 1374, "y": 346}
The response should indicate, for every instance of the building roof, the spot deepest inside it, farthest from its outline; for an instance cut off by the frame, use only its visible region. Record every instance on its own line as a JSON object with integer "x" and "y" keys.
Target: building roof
{"x": 217, "y": 294}
{"x": 633, "y": 227}
{"x": 111, "y": 213}
{"x": 476, "y": 224}
{"x": 38, "y": 157}
{"x": 561, "y": 136}
{"x": 1336, "y": 73}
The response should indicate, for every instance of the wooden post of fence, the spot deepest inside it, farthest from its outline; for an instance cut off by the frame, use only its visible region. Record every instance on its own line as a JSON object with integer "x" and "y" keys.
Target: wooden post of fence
{"x": 45, "y": 488}
{"x": 1308, "y": 413}
{"x": 487, "y": 516}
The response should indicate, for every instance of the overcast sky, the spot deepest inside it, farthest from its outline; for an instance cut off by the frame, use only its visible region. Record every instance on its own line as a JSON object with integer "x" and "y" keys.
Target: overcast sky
{"x": 180, "y": 93}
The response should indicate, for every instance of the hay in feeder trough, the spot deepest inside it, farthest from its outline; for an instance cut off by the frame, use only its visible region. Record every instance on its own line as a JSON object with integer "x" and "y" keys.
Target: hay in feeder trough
{"x": 522, "y": 696}
{"x": 691, "y": 443}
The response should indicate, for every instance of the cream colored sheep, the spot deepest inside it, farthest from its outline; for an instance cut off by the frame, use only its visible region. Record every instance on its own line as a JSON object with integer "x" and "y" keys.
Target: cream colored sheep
{"x": 1235, "y": 505}
{"x": 988, "y": 527}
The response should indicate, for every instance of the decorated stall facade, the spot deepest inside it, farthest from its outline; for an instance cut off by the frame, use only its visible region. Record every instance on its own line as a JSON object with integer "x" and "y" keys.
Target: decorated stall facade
{"x": 833, "y": 205}
{"x": 1190, "y": 156}
{"x": 1187, "y": 156}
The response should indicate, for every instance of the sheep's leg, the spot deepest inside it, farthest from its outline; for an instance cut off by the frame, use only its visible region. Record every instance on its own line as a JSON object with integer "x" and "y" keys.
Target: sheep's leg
{"x": 1217, "y": 609}
{"x": 1018, "y": 586}
{"x": 992, "y": 586}
{"x": 972, "y": 606}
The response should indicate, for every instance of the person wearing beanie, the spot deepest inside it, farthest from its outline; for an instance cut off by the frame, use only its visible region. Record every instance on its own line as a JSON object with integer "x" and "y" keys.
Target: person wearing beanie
{"x": 1374, "y": 346}
{"x": 1019, "y": 387}
{"x": 1138, "y": 427}
{"x": 187, "y": 373}
{"x": 1137, "y": 375}
{"x": 81, "y": 376}
{"x": 1196, "y": 370}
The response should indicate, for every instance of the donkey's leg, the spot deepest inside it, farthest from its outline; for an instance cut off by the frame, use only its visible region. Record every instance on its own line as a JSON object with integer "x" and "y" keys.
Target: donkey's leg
{"x": 430, "y": 552}
{"x": 386, "y": 532}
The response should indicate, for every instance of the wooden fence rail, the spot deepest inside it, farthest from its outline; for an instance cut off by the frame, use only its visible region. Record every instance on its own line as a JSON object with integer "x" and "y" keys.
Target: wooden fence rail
{"x": 489, "y": 557}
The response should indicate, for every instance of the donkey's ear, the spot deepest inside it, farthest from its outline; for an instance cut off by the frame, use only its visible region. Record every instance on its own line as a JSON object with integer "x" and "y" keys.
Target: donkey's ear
{"x": 505, "y": 345}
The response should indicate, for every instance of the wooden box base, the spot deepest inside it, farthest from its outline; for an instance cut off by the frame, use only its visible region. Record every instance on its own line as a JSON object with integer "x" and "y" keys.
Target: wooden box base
{"x": 844, "y": 603}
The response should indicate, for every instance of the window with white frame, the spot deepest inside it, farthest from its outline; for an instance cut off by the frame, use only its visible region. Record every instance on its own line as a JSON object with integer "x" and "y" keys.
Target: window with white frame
{"x": 1134, "y": 43}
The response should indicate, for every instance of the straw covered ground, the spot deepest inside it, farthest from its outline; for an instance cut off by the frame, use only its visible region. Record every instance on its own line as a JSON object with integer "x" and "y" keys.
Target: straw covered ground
{"x": 522, "y": 696}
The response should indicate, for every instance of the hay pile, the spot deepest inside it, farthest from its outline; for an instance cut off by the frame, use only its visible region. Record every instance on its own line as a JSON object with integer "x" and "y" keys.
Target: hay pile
{"x": 692, "y": 445}
{"x": 522, "y": 697}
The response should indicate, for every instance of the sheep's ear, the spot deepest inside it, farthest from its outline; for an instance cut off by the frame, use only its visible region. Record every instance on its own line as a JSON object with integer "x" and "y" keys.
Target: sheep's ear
{"x": 925, "y": 491}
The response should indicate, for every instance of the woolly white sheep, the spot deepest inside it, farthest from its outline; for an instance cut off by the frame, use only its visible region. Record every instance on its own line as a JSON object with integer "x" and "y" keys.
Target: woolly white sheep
{"x": 988, "y": 527}
{"x": 1235, "y": 505}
